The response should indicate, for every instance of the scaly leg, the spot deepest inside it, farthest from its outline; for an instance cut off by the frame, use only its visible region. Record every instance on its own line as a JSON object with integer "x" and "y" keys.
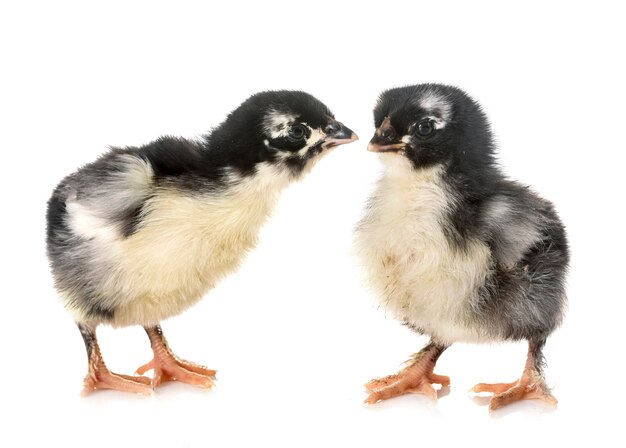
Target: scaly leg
{"x": 169, "y": 367}
{"x": 100, "y": 377}
{"x": 531, "y": 385}
{"x": 416, "y": 377}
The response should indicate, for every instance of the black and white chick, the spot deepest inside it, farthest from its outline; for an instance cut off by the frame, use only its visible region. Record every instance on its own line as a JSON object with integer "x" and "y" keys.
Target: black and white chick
{"x": 142, "y": 233}
{"x": 454, "y": 249}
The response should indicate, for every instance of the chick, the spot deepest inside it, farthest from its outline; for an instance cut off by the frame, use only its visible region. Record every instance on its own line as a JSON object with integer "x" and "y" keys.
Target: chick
{"x": 142, "y": 233}
{"x": 454, "y": 249}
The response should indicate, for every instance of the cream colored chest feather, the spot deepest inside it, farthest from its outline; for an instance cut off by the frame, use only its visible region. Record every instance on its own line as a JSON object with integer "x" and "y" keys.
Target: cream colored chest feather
{"x": 186, "y": 241}
{"x": 183, "y": 248}
{"x": 417, "y": 274}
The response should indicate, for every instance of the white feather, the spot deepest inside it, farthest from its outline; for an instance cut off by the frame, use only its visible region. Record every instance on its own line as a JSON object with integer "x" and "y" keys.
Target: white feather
{"x": 87, "y": 224}
{"x": 438, "y": 105}
{"x": 518, "y": 233}
{"x": 277, "y": 123}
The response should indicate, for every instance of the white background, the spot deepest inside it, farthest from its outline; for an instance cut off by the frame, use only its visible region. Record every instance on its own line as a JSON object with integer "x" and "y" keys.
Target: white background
{"x": 295, "y": 334}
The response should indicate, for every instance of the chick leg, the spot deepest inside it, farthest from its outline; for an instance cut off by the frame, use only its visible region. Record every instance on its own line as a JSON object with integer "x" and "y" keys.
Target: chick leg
{"x": 169, "y": 367}
{"x": 100, "y": 377}
{"x": 416, "y": 377}
{"x": 531, "y": 385}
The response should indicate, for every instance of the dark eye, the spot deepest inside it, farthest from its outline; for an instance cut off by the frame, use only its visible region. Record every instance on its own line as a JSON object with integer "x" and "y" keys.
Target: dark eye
{"x": 297, "y": 132}
{"x": 425, "y": 128}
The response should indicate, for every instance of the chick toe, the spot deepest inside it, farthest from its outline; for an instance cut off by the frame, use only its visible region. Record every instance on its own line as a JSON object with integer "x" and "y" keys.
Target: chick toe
{"x": 495, "y": 388}
{"x": 379, "y": 383}
{"x": 520, "y": 391}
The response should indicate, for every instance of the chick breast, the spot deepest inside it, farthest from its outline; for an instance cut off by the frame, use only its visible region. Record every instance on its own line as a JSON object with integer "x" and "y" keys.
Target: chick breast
{"x": 418, "y": 275}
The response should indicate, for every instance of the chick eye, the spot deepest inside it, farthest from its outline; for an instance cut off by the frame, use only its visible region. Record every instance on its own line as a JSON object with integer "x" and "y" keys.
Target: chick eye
{"x": 297, "y": 132}
{"x": 425, "y": 128}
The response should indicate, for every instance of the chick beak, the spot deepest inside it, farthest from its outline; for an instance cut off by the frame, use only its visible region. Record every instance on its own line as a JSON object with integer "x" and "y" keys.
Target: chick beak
{"x": 383, "y": 139}
{"x": 337, "y": 134}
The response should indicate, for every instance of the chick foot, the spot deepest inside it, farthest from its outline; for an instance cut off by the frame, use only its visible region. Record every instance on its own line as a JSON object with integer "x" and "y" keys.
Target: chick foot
{"x": 417, "y": 377}
{"x": 530, "y": 386}
{"x": 169, "y": 367}
{"x": 99, "y": 377}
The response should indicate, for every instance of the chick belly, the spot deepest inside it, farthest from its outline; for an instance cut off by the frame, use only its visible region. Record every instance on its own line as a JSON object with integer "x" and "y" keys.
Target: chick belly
{"x": 435, "y": 289}
{"x": 158, "y": 281}
{"x": 149, "y": 304}
{"x": 440, "y": 310}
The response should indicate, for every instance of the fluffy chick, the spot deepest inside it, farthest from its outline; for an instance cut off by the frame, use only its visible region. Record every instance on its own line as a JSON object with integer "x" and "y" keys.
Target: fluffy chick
{"x": 143, "y": 233}
{"x": 454, "y": 249}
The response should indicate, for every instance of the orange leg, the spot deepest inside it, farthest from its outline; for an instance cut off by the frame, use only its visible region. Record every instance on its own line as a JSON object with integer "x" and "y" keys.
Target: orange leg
{"x": 100, "y": 377}
{"x": 416, "y": 377}
{"x": 530, "y": 386}
{"x": 169, "y": 367}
